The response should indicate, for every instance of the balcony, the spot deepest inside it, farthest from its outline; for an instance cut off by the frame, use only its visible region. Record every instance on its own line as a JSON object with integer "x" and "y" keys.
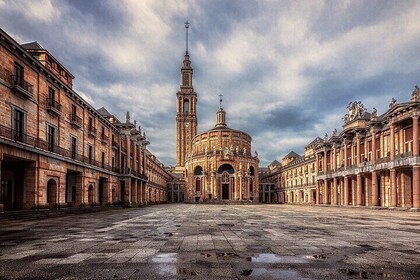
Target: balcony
{"x": 104, "y": 139}
{"x": 53, "y": 107}
{"x": 92, "y": 131}
{"x": 75, "y": 120}
{"x": 21, "y": 87}
{"x": 114, "y": 145}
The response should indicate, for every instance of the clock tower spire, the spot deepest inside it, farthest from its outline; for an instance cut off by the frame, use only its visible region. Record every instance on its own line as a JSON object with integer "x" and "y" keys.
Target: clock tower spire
{"x": 186, "y": 117}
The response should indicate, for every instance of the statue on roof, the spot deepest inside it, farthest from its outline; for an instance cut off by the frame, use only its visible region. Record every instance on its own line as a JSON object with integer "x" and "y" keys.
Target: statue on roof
{"x": 373, "y": 115}
{"x": 127, "y": 117}
{"x": 326, "y": 137}
{"x": 355, "y": 110}
{"x": 393, "y": 102}
{"x": 334, "y": 132}
{"x": 415, "y": 96}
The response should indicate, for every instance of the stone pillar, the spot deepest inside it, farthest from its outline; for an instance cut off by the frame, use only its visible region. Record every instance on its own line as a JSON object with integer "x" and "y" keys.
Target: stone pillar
{"x": 353, "y": 190}
{"x": 415, "y": 134}
{"x": 393, "y": 179}
{"x": 240, "y": 186}
{"x": 325, "y": 162}
{"x": 392, "y": 142}
{"x": 416, "y": 187}
{"x": 374, "y": 189}
{"x": 373, "y": 146}
{"x": 368, "y": 191}
{"x": 359, "y": 190}
{"x": 326, "y": 192}
{"x": 346, "y": 191}
{"x": 317, "y": 193}
{"x": 334, "y": 192}
{"x": 357, "y": 149}
{"x": 128, "y": 157}
{"x": 345, "y": 155}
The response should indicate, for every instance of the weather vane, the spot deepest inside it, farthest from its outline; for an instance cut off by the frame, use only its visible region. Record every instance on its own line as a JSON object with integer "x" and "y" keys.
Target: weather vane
{"x": 187, "y": 25}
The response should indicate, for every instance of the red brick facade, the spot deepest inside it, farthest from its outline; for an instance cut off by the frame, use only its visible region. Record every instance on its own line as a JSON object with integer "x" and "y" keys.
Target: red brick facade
{"x": 56, "y": 150}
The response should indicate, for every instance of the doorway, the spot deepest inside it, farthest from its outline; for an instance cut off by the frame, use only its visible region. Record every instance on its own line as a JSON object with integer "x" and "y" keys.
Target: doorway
{"x": 225, "y": 191}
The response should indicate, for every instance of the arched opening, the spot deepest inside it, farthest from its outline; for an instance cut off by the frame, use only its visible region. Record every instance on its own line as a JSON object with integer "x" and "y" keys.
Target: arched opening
{"x": 197, "y": 184}
{"x": 114, "y": 195}
{"x": 51, "y": 192}
{"x": 226, "y": 181}
{"x": 251, "y": 171}
{"x": 198, "y": 171}
{"x": 91, "y": 194}
{"x": 186, "y": 106}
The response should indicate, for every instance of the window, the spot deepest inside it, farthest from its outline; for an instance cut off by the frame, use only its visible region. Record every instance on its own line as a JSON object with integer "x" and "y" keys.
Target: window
{"x": 90, "y": 153}
{"x": 186, "y": 79}
{"x": 186, "y": 106}
{"x": 51, "y": 93}
{"x": 18, "y": 125}
{"x": 18, "y": 76}
{"x": 73, "y": 147}
{"x": 51, "y": 138}
{"x": 90, "y": 123}
{"x": 113, "y": 162}
{"x": 103, "y": 160}
{"x": 73, "y": 112}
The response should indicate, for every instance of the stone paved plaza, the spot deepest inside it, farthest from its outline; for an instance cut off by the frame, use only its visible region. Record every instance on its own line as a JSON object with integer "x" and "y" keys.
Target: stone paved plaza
{"x": 184, "y": 241}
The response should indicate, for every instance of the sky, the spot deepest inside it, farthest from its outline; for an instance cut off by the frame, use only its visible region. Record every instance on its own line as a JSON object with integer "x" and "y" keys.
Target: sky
{"x": 287, "y": 69}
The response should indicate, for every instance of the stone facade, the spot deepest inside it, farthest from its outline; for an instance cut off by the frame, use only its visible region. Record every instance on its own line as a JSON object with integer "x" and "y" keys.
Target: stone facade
{"x": 216, "y": 164}
{"x": 56, "y": 150}
{"x": 374, "y": 161}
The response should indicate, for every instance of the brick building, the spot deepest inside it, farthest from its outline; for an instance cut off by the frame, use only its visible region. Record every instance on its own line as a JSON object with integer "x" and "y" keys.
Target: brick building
{"x": 373, "y": 161}
{"x": 216, "y": 164}
{"x": 56, "y": 150}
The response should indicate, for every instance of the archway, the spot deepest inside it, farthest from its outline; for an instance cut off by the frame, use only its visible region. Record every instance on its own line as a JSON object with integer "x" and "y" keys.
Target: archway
{"x": 226, "y": 181}
{"x": 51, "y": 192}
{"x": 91, "y": 194}
{"x": 114, "y": 195}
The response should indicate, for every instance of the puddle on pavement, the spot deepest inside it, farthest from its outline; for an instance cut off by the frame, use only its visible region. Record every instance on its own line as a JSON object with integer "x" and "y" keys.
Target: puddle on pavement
{"x": 367, "y": 274}
{"x": 274, "y": 258}
{"x": 317, "y": 257}
{"x": 227, "y": 256}
{"x": 167, "y": 269}
{"x": 271, "y": 273}
{"x": 205, "y": 255}
{"x": 165, "y": 258}
{"x": 187, "y": 272}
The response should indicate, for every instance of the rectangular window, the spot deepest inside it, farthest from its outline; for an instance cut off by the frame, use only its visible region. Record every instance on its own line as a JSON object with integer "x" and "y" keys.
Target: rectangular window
{"x": 103, "y": 160}
{"x": 18, "y": 125}
{"x": 18, "y": 75}
{"x": 113, "y": 162}
{"x": 51, "y": 138}
{"x": 51, "y": 94}
{"x": 90, "y": 154}
{"x": 90, "y": 123}
{"x": 73, "y": 112}
{"x": 73, "y": 147}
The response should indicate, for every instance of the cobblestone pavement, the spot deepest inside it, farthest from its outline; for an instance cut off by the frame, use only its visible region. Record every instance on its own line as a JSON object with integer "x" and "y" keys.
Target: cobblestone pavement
{"x": 184, "y": 241}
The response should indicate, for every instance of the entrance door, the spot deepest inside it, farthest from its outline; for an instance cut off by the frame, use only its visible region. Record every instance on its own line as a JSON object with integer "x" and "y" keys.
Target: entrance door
{"x": 101, "y": 191}
{"x": 6, "y": 194}
{"x": 225, "y": 191}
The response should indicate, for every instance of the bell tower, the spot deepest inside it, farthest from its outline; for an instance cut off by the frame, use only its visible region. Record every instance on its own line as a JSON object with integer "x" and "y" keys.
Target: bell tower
{"x": 186, "y": 117}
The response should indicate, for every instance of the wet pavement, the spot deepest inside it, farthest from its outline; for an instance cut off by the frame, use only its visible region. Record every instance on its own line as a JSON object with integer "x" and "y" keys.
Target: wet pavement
{"x": 184, "y": 241}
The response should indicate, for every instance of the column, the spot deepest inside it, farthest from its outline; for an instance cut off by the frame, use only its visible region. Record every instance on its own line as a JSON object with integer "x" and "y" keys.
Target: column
{"x": 416, "y": 186}
{"x": 374, "y": 189}
{"x": 334, "y": 192}
{"x": 357, "y": 149}
{"x": 359, "y": 190}
{"x": 240, "y": 186}
{"x": 373, "y": 146}
{"x": 353, "y": 190}
{"x": 392, "y": 142}
{"x": 326, "y": 193}
{"x": 345, "y": 155}
{"x": 368, "y": 190}
{"x": 392, "y": 174}
{"x": 127, "y": 164}
{"x": 415, "y": 134}
{"x": 317, "y": 193}
{"x": 346, "y": 191}
{"x": 325, "y": 162}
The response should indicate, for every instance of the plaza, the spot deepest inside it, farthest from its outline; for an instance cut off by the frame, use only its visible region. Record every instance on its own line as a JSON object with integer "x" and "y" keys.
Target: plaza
{"x": 199, "y": 241}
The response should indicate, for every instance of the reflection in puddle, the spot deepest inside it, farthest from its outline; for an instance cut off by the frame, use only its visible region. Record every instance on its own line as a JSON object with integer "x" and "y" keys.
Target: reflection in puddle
{"x": 273, "y": 258}
{"x": 165, "y": 258}
{"x": 321, "y": 256}
{"x": 272, "y": 273}
{"x": 187, "y": 272}
{"x": 167, "y": 269}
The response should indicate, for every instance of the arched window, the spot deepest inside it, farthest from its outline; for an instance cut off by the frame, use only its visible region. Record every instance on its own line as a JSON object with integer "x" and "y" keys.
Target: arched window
{"x": 251, "y": 171}
{"x": 225, "y": 177}
{"x": 186, "y": 106}
{"x": 198, "y": 171}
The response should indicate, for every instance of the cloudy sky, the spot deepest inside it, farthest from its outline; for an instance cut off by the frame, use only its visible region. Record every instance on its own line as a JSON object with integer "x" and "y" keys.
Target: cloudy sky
{"x": 287, "y": 69}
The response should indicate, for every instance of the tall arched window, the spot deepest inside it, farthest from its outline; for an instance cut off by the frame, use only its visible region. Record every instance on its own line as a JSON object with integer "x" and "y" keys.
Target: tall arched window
{"x": 186, "y": 106}
{"x": 90, "y": 194}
